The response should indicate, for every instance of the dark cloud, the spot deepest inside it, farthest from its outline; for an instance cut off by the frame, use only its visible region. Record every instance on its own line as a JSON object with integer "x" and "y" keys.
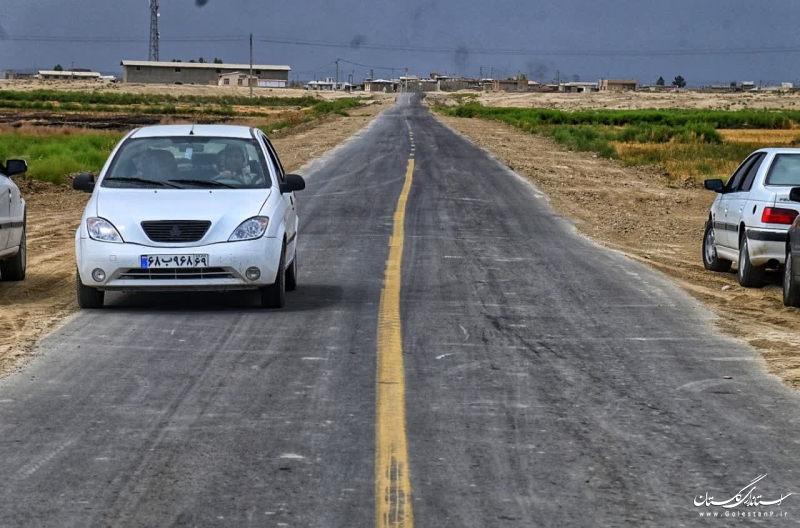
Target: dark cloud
{"x": 462, "y": 59}
{"x": 422, "y": 10}
{"x": 200, "y": 3}
{"x": 358, "y": 41}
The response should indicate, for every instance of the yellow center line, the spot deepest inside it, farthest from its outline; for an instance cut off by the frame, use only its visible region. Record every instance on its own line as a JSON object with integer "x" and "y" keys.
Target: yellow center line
{"x": 392, "y": 481}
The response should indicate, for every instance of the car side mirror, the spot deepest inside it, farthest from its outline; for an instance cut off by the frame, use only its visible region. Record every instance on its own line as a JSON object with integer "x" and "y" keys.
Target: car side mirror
{"x": 16, "y": 166}
{"x": 794, "y": 194}
{"x": 714, "y": 185}
{"x": 83, "y": 182}
{"x": 292, "y": 183}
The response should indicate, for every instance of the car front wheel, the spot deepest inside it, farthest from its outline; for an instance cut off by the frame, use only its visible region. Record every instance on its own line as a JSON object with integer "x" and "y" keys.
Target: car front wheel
{"x": 13, "y": 269}
{"x": 711, "y": 260}
{"x": 274, "y": 295}
{"x": 88, "y": 298}
{"x": 749, "y": 275}
{"x": 791, "y": 289}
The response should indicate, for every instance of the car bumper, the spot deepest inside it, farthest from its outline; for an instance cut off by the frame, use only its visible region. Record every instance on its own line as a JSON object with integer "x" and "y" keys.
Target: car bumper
{"x": 227, "y": 263}
{"x": 767, "y": 245}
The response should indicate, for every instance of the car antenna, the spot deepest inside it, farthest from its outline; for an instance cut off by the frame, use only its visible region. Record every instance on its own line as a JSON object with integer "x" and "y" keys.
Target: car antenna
{"x": 191, "y": 132}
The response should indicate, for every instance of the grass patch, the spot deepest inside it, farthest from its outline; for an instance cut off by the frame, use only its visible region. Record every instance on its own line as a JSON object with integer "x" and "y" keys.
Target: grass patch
{"x": 52, "y": 157}
{"x": 52, "y": 154}
{"x": 687, "y": 143}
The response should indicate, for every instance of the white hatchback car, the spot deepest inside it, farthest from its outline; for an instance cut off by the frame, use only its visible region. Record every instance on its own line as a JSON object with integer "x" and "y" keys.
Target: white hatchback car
{"x": 189, "y": 207}
{"x": 13, "y": 248}
{"x": 749, "y": 220}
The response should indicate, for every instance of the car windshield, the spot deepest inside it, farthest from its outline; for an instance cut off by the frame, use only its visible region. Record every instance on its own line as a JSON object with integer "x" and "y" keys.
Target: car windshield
{"x": 785, "y": 170}
{"x": 189, "y": 163}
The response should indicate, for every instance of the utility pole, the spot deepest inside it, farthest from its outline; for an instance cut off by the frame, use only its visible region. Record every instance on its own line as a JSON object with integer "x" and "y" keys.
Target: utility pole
{"x": 481, "y": 73}
{"x": 153, "y": 54}
{"x": 558, "y": 77}
{"x": 371, "y": 75}
{"x": 337, "y": 74}
{"x": 250, "y": 79}
{"x": 406, "y": 80}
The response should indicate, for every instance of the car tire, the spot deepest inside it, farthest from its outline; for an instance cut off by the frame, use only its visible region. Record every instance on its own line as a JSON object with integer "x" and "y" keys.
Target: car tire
{"x": 274, "y": 295}
{"x": 791, "y": 288}
{"x": 291, "y": 274}
{"x": 749, "y": 275}
{"x": 711, "y": 259}
{"x": 88, "y": 298}
{"x": 13, "y": 269}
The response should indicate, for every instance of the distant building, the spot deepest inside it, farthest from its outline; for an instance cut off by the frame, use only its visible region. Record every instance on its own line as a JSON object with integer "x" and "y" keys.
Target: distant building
{"x": 617, "y": 85}
{"x": 577, "y": 87}
{"x": 236, "y": 79}
{"x": 151, "y": 72}
{"x": 68, "y": 75}
{"x": 381, "y": 85}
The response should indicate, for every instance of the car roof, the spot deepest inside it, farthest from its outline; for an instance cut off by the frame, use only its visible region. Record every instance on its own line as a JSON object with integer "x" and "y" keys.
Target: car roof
{"x": 779, "y": 150}
{"x": 227, "y": 131}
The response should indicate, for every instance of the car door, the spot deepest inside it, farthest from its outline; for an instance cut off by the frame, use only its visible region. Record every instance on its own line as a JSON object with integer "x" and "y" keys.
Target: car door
{"x": 289, "y": 198}
{"x": 5, "y": 208}
{"x": 739, "y": 198}
{"x": 725, "y": 229}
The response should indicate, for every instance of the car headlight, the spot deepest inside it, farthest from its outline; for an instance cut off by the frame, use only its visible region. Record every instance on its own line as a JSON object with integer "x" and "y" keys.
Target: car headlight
{"x": 102, "y": 230}
{"x": 250, "y": 229}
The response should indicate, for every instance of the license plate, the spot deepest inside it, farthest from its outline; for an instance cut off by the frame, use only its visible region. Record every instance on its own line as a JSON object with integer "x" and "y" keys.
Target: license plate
{"x": 174, "y": 261}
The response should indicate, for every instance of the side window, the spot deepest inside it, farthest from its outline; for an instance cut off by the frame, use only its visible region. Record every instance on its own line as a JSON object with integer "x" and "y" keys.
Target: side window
{"x": 735, "y": 181}
{"x": 274, "y": 158}
{"x": 750, "y": 177}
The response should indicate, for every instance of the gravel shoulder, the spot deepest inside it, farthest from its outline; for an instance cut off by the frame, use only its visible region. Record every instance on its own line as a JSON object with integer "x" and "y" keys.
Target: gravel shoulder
{"x": 653, "y": 220}
{"x": 35, "y": 306}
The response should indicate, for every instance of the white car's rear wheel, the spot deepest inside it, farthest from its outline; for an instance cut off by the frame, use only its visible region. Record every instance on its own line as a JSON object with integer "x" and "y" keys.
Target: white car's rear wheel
{"x": 749, "y": 275}
{"x": 791, "y": 289}
{"x": 711, "y": 260}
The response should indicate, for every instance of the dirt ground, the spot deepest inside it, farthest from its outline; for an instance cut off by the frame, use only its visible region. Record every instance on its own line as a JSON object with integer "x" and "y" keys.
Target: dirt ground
{"x": 637, "y": 100}
{"x": 174, "y": 89}
{"x": 653, "y": 220}
{"x": 31, "y": 308}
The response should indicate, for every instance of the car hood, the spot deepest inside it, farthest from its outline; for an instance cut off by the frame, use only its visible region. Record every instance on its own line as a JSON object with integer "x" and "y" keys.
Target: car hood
{"x": 225, "y": 209}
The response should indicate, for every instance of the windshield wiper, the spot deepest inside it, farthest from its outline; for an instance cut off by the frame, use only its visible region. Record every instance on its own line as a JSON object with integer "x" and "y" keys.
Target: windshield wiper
{"x": 206, "y": 183}
{"x": 140, "y": 180}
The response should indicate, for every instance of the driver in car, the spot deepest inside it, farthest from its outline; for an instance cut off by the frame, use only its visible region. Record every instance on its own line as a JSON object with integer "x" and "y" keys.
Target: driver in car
{"x": 235, "y": 164}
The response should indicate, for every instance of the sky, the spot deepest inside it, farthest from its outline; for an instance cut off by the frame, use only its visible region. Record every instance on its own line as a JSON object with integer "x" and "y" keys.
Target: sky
{"x": 700, "y": 40}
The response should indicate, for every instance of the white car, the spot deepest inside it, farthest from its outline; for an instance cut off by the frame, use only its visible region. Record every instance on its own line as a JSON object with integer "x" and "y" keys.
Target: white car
{"x": 749, "y": 220}
{"x": 13, "y": 247}
{"x": 189, "y": 207}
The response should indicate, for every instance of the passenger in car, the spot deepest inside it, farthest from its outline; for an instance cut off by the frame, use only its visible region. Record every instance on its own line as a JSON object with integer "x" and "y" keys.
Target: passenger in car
{"x": 235, "y": 164}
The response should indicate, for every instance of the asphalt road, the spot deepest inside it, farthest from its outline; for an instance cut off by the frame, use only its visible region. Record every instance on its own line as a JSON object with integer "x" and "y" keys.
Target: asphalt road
{"x": 548, "y": 381}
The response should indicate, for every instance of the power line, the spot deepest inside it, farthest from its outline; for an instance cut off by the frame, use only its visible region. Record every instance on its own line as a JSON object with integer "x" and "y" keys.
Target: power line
{"x": 370, "y": 67}
{"x": 420, "y": 49}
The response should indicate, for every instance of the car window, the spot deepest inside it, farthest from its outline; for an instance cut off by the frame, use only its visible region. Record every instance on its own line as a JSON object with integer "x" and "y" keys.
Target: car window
{"x": 188, "y": 163}
{"x": 785, "y": 170}
{"x": 747, "y": 182}
{"x": 735, "y": 181}
{"x": 276, "y": 162}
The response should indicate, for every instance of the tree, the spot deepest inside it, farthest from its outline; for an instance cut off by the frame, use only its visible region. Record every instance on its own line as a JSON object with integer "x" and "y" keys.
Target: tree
{"x": 661, "y": 81}
{"x": 217, "y": 61}
{"x": 192, "y": 61}
{"x": 679, "y": 81}
{"x": 576, "y": 78}
{"x": 201, "y": 60}
{"x": 58, "y": 67}
{"x": 176, "y": 60}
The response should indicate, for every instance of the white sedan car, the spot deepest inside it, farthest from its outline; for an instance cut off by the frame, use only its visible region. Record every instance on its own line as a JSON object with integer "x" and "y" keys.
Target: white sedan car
{"x": 750, "y": 218}
{"x": 189, "y": 207}
{"x": 13, "y": 250}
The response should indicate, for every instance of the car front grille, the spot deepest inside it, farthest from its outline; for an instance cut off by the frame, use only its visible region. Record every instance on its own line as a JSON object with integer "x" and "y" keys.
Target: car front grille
{"x": 175, "y": 274}
{"x": 176, "y": 230}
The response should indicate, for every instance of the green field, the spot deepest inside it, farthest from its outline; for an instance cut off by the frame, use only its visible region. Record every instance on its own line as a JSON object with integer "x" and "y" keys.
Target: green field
{"x": 53, "y": 155}
{"x": 687, "y": 143}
